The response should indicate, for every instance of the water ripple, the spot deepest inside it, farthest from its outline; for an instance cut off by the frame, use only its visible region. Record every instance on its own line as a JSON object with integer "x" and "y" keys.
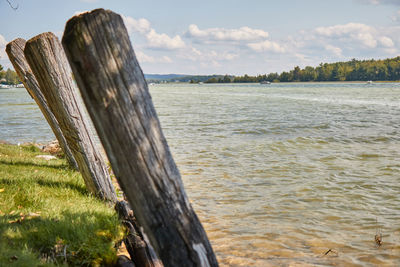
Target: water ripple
{"x": 278, "y": 175}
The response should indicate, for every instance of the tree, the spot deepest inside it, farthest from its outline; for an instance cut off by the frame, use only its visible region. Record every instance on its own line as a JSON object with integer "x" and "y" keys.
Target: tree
{"x": 308, "y": 74}
{"x": 226, "y": 79}
{"x": 272, "y": 77}
{"x": 212, "y": 80}
{"x": 11, "y": 77}
{"x": 296, "y": 74}
{"x": 286, "y": 77}
{"x": 354, "y": 70}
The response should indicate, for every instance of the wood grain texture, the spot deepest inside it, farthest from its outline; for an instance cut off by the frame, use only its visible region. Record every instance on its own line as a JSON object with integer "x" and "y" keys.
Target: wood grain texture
{"x": 118, "y": 100}
{"x": 15, "y": 52}
{"x": 49, "y": 64}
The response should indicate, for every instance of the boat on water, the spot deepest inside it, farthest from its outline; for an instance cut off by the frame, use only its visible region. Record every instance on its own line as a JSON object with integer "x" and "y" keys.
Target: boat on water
{"x": 265, "y": 82}
{"x": 369, "y": 82}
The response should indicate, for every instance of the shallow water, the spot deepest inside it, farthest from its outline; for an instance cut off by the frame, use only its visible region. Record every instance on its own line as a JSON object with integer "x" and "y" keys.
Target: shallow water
{"x": 278, "y": 174}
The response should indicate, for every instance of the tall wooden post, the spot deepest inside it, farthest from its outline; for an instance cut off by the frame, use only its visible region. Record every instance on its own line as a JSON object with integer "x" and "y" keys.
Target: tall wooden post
{"x": 117, "y": 97}
{"x": 49, "y": 64}
{"x": 15, "y": 52}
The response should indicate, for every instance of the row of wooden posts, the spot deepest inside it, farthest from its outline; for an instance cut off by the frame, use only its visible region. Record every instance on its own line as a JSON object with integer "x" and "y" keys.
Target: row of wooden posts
{"x": 96, "y": 52}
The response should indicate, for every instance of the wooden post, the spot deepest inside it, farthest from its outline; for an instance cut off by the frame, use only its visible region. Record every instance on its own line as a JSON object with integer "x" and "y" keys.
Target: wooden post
{"x": 15, "y": 52}
{"x": 49, "y": 64}
{"x": 117, "y": 97}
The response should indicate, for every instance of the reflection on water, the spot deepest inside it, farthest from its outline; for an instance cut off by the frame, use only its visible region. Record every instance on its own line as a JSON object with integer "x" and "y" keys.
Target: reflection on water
{"x": 278, "y": 174}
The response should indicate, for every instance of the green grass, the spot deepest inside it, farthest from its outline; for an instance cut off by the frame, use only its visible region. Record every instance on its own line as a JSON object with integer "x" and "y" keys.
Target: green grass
{"x": 48, "y": 218}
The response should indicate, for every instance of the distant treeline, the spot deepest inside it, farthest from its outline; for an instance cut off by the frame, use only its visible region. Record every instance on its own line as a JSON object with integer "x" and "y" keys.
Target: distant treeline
{"x": 8, "y": 76}
{"x": 155, "y": 78}
{"x": 354, "y": 70}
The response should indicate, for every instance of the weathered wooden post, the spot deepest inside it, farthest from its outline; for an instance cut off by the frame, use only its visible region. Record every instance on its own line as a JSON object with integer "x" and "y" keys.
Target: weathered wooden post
{"x": 49, "y": 64}
{"x": 117, "y": 97}
{"x": 15, "y": 52}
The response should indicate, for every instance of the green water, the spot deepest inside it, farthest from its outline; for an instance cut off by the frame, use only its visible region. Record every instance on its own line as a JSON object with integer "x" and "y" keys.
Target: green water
{"x": 278, "y": 174}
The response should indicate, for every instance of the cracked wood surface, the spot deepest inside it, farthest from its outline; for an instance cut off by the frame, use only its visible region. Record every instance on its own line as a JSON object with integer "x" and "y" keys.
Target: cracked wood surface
{"x": 49, "y": 64}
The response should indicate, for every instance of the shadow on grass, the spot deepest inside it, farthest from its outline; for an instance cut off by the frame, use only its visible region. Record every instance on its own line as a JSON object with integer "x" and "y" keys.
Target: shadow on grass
{"x": 81, "y": 189}
{"x": 75, "y": 238}
{"x": 52, "y": 184}
{"x": 33, "y": 164}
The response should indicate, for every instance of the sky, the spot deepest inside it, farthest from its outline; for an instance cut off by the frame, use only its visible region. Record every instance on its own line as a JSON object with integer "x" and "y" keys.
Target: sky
{"x": 226, "y": 36}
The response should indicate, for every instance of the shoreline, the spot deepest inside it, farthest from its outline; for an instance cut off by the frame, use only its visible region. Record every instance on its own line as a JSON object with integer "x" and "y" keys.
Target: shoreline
{"x": 294, "y": 82}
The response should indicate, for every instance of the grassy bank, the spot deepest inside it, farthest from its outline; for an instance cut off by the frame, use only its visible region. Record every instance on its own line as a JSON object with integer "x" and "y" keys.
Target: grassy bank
{"x": 47, "y": 217}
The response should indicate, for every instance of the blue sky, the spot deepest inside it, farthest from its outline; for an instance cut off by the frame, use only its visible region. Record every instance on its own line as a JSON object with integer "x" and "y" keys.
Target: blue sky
{"x": 227, "y": 36}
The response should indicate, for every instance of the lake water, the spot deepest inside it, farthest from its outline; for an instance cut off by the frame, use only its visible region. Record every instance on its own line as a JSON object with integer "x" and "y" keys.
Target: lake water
{"x": 279, "y": 174}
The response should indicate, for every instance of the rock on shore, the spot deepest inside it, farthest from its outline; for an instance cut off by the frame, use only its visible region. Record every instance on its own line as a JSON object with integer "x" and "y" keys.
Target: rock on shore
{"x": 52, "y": 148}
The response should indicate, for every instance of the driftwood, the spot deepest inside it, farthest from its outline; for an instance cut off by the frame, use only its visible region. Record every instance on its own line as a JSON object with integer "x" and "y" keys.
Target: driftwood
{"x": 118, "y": 100}
{"x": 47, "y": 60}
{"x": 15, "y": 52}
{"x": 141, "y": 254}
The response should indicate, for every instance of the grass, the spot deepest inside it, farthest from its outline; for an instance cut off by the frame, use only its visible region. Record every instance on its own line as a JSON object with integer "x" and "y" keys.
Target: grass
{"x": 47, "y": 218}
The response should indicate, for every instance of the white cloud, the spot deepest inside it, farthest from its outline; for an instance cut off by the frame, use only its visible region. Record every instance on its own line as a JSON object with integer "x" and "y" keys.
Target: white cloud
{"x": 3, "y": 43}
{"x": 356, "y": 36}
{"x": 254, "y": 39}
{"x": 342, "y": 42}
{"x": 194, "y": 54}
{"x": 221, "y": 34}
{"x": 361, "y": 33}
{"x": 300, "y": 56}
{"x": 166, "y": 59}
{"x": 220, "y": 56}
{"x": 212, "y": 63}
{"x": 4, "y": 61}
{"x": 334, "y": 50}
{"x": 386, "y": 42}
{"x": 340, "y": 30}
{"x": 144, "y": 58}
{"x": 154, "y": 39}
{"x": 163, "y": 41}
{"x": 266, "y": 46}
{"x": 137, "y": 25}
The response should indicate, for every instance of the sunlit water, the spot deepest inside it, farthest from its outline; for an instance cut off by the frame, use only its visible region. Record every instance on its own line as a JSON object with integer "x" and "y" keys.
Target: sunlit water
{"x": 278, "y": 174}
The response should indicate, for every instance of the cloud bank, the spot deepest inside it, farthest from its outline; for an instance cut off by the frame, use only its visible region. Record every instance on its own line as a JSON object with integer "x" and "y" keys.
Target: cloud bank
{"x": 212, "y": 48}
{"x": 225, "y": 35}
{"x": 3, "y": 55}
{"x": 154, "y": 40}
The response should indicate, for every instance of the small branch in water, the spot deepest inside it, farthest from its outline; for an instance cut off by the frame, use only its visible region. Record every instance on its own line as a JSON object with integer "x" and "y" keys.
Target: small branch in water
{"x": 378, "y": 235}
{"x": 11, "y": 5}
{"x": 378, "y": 240}
{"x": 331, "y": 251}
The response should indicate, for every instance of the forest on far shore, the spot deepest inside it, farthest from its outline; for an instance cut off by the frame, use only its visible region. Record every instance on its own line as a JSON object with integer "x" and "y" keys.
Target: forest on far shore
{"x": 354, "y": 70}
